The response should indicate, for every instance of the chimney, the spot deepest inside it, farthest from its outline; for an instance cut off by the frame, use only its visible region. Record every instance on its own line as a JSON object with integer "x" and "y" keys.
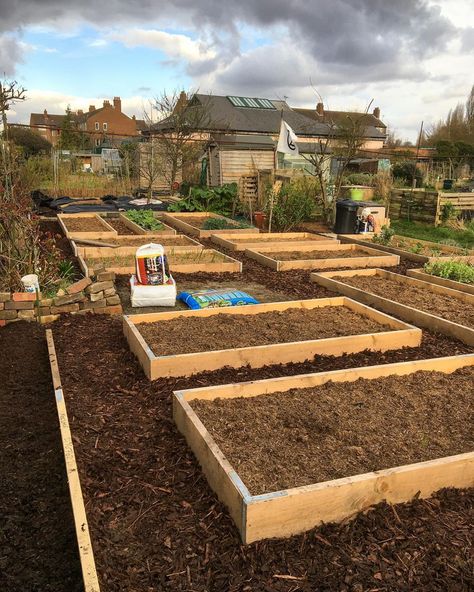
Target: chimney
{"x": 91, "y": 108}
{"x": 133, "y": 117}
{"x": 181, "y": 102}
{"x": 45, "y": 112}
{"x": 80, "y": 112}
{"x": 106, "y": 103}
{"x": 320, "y": 109}
{"x": 117, "y": 104}
{"x": 377, "y": 112}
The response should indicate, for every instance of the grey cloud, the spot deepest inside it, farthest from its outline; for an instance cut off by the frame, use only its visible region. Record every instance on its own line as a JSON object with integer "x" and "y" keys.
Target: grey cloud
{"x": 11, "y": 53}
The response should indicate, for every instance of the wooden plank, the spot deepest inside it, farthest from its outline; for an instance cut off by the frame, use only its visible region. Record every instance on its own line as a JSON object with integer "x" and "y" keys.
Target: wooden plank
{"x": 98, "y": 252}
{"x": 254, "y": 241}
{"x": 403, "y": 311}
{"x": 107, "y": 233}
{"x": 291, "y": 511}
{"x": 179, "y": 221}
{"x": 86, "y": 553}
{"x": 137, "y": 229}
{"x": 400, "y": 335}
{"x": 420, "y": 274}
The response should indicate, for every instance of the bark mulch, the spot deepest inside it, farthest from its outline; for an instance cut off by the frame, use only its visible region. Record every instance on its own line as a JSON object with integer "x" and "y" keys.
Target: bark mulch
{"x": 305, "y": 436}
{"x": 38, "y": 549}
{"x": 316, "y": 254}
{"x": 156, "y": 525}
{"x": 446, "y": 307}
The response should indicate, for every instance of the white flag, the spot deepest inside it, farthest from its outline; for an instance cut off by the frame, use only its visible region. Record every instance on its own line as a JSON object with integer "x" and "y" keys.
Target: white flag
{"x": 287, "y": 140}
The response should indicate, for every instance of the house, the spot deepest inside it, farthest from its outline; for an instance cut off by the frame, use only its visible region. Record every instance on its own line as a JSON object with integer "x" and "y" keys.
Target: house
{"x": 106, "y": 126}
{"x": 240, "y": 134}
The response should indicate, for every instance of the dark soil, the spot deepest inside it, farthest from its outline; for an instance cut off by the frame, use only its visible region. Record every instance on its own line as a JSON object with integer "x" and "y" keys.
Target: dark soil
{"x": 146, "y": 238}
{"x": 262, "y": 238}
{"x": 292, "y": 255}
{"x": 156, "y": 525}
{"x": 446, "y": 307}
{"x": 336, "y": 430}
{"x": 195, "y": 334}
{"x": 85, "y": 224}
{"x": 120, "y": 226}
{"x": 37, "y": 537}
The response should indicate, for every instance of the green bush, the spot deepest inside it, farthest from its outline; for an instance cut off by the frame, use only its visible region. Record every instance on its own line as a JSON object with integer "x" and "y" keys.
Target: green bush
{"x": 291, "y": 205}
{"x": 359, "y": 179}
{"x": 452, "y": 270}
{"x": 384, "y": 237}
{"x": 145, "y": 219}
{"x": 447, "y": 211}
{"x": 406, "y": 171}
{"x": 220, "y": 200}
{"x": 220, "y": 224}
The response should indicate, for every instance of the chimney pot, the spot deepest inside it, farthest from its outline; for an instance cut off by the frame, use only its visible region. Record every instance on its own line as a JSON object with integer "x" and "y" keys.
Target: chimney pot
{"x": 377, "y": 112}
{"x": 105, "y": 103}
{"x": 45, "y": 112}
{"x": 320, "y": 109}
{"x": 91, "y": 108}
{"x": 118, "y": 103}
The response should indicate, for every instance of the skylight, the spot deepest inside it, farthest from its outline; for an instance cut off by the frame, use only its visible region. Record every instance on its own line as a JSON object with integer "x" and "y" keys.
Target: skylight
{"x": 251, "y": 103}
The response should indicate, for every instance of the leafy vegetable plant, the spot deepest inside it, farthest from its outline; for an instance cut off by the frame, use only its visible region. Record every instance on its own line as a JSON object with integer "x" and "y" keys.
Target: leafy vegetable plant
{"x": 145, "y": 219}
{"x": 458, "y": 271}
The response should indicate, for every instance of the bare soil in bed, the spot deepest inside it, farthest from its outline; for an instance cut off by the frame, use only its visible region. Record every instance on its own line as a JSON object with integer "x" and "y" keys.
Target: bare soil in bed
{"x": 336, "y": 430}
{"x": 157, "y": 526}
{"x": 293, "y": 255}
{"x": 85, "y": 224}
{"x": 440, "y": 305}
{"x": 143, "y": 239}
{"x": 120, "y": 226}
{"x": 194, "y": 334}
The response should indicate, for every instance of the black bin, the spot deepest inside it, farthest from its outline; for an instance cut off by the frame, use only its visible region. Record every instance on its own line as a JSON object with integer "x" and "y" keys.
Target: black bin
{"x": 346, "y": 216}
{"x": 448, "y": 183}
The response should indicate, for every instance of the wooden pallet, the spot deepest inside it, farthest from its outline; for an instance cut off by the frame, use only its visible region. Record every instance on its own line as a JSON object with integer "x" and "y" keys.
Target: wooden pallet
{"x": 179, "y": 221}
{"x": 254, "y": 241}
{"x": 291, "y": 511}
{"x": 400, "y": 335}
{"x": 402, "y": 311}
{"x": 107, "y": 233}
{"x": 86, "y": 553}
{"x": 374, "y": 257}
{"x": 420, "y": 274}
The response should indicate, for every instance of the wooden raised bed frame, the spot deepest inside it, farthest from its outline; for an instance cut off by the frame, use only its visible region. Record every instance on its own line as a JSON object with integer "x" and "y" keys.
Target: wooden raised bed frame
{"x": 94, "y": 252}
{"x": 230, "y": 265}
{"x": 178, "y": 220}
{"x": 400, "y": 335}
{"x": 107, "y": 233}
{"x": 291, "y": 511}
{"x": 86, "y": 554}
{"x": 420, "y": 274}
{"x": 374, "y": 257}
{"x": 254, "y": 241}
{"x": 403, "y": 311}
{"x": 451, "y": 252}
{"x": 136, "y": 229}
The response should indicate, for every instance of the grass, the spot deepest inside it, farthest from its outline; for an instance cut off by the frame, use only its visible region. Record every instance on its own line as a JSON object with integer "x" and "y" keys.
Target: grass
{"x": 438, "y": 234}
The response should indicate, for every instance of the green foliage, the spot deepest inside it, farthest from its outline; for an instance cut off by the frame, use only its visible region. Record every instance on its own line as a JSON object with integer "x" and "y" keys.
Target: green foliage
{"x": 416, "y": 248}
{"x": 220, "y": 224}
{"x": 359, "y": 179}
{"x": 447, "y": 211}
{"x": 384, "y": 237}
{"x": 30, "y": 142}
{"x": 71, "y": 137}
{"x": 66, "y": 270}
{"x": 452, "y": 270}
{"x": 406, "y": 171}
{"x": 145, "y": 219}
{"x": 292, "y": 205}
{"x": 220, "y": 200}
{"x": 464, "y": 238}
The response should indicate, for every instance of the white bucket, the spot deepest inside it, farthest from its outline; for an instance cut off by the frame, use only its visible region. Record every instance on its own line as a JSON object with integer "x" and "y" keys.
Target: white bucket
{"x": 30, "y": 283}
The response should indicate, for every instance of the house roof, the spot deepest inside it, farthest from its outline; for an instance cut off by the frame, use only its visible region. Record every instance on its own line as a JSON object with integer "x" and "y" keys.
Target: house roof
{"x": 46, "y": 119}
{"x": 224, "y": 116}
{"x": 368, "y": 120}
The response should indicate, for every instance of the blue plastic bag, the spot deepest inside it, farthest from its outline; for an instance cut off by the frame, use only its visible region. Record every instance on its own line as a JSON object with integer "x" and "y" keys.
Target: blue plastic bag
{"x": 215, "y": 298}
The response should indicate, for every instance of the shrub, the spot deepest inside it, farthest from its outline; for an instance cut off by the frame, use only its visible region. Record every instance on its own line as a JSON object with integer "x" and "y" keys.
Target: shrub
{"x": 145, "y": 219}
{"x": 291, "y": 205}
{"x": 360, "y": 179}
{"x": 220, "y": 200}
{"x": 384, "y": 237}
{"x": 458, "y": 271}
{"x": 447, "y": 211}
{"x": 406, "y": 171}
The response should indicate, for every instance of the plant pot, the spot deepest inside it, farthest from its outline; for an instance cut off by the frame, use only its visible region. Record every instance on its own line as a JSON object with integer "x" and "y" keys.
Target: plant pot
{"x": 260, "y": 219}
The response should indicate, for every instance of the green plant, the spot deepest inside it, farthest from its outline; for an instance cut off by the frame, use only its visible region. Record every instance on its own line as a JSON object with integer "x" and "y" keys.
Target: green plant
{"x": 458, "y": 271}
{"x": 220, "y": 224}
{"x": 447, "y": 211}
{"x": 463, "y": 233}
{"x": 417, "y": 248}
{"x": 384, "y": 237}
{"x": 66, "y": 270}
{"x": 359, "y": 179}
{"x": 145, "y": 219}
{"x": 220, "y": 200}
{"x": 290, "y": 206}
{"x": 406, "y": 171}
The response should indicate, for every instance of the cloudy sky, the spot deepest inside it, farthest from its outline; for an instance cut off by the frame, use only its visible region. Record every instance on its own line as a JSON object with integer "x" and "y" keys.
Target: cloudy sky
{"x": 414, "y": 58}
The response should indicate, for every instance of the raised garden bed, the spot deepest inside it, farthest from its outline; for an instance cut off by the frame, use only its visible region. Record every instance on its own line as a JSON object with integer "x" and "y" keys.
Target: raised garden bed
{"x": 135, "y": 228}
{"x": 283, "y": 258}
{"x": 192, "y": 222}
{"x": 309, "y": 450}
{"x": 254, "y": 241}
{"x": 180, "y": 260}
{"x": 183, "y": 343}
{"x": 421, "y": 303}
{"x": 129, "y": 245}
{"x": 86, "y": 554}
{"x": 412, "y": 249}
{"x": 86, "y": 226}
{"x": 420, "y": 274}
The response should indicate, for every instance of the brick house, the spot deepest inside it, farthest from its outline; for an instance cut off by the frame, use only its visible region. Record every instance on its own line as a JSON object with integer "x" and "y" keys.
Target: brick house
{"x": 107, "y": 125}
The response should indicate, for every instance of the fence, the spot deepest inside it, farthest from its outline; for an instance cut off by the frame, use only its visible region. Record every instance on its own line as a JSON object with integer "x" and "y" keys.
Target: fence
{"x": 419, "y": 205}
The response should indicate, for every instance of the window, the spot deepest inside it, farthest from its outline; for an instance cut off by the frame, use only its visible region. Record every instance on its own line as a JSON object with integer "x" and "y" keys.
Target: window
{"x": 97, "y": 142}
{"x": 104, "y": 125}
{"x": 252, "y": 103}
{"x": 97, "y": 127}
